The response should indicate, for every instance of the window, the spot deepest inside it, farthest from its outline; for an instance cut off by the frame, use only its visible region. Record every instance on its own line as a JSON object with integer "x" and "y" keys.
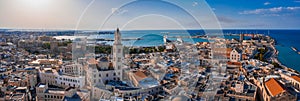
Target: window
{"x": 99, "y": 75}
{"x": 119, "y": 59}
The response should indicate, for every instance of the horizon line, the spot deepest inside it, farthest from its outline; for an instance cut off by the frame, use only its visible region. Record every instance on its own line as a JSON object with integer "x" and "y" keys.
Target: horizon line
{"x": 40, "y": 29}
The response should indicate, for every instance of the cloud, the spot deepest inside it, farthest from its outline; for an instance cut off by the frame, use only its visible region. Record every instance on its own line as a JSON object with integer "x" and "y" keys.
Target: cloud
{"x": 271, "y": 11}
{"x": 297, "y": 1}
{"x": 267, "y": 3}
{"x": 293, "y": 8}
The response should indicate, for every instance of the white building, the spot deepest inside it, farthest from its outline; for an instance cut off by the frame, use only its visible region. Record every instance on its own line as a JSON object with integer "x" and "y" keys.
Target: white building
{"x": 236, "y": 55}
{"x": 102, "y": 70}
{"x": 99, "y": 72}
{"x": 52, "y": 77}
{"x": 72, "y": 69}
{"x": 43, "y": 93}
{"x": 106, "y": 78}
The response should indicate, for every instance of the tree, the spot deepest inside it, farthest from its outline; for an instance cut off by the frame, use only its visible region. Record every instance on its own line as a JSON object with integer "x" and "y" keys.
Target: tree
{"x": 103, "y": 49}
{"x": 261, "y": 57}
{"x": 46, "y": 45}
{"x": 276, "y": 65}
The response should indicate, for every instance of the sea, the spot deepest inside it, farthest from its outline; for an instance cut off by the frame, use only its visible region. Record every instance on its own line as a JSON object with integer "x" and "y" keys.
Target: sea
{"x": 285, "y": 40}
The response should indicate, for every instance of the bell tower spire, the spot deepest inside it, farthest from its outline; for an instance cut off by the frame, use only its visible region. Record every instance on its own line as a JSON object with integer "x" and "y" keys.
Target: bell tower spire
{"x": 117, "y": 37}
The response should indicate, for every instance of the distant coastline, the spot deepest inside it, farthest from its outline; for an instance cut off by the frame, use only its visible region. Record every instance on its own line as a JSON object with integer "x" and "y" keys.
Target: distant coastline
{"x": 284, "y": 39}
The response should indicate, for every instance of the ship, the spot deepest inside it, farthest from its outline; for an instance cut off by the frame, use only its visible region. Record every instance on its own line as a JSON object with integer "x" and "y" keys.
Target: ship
{"x": 294, "y": 49}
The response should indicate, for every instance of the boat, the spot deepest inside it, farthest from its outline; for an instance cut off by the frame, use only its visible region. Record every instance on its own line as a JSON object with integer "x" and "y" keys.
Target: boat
{"x": 128, "y": 39}
{"x": 298, "y": 52}
{"x": 294, "y": 49}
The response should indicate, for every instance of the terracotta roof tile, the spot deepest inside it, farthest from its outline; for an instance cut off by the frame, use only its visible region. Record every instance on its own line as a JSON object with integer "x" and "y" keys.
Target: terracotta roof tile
{"x": 174, "y": 69}
{"x": 140, "y": 75}
{"x": 296, "y": 78}
{"x": 274, "y": 87}
{"x": 234, "y": 63}
{"x": 92, "y": 61}
{"x": 244, "y": 56}
{"x": 227, "y": 50}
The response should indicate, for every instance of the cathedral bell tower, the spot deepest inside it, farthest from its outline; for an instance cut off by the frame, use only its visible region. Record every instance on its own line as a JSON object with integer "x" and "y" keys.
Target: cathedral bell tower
{"x": 118, "y": 54}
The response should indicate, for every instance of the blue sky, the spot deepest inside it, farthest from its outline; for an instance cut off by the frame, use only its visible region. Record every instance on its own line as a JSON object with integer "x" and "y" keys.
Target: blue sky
{"x": 149, "y": 14}
{"x": 258, "y": 13}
